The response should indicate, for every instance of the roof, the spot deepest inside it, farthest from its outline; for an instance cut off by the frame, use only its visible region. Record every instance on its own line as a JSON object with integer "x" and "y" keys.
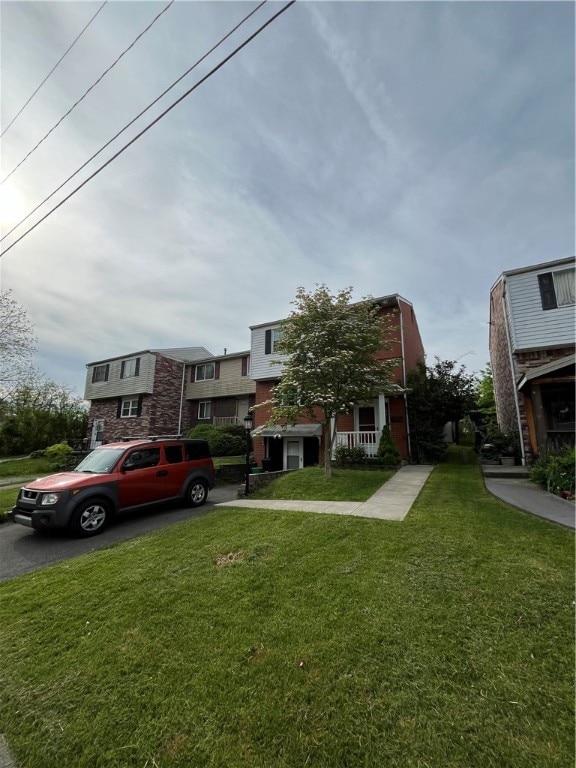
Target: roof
{"x": 545, "y": 265}
{"x": 390, "y": 301}
{"x": 291, "y": 430}
{"x": 183, "y": 354}
{"x": 543, "y": 370}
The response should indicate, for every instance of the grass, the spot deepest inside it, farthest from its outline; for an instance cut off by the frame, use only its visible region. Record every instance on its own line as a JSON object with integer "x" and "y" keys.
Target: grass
{"x": 246, "y": 639}
{"x": 310, "y": 483}
{"x": 24, "y": 467}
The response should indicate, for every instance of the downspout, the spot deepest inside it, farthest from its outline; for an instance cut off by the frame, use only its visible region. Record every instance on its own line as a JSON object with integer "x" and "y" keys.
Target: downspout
{"x": 181, "y": 398}
{"x": 511, "y": 361}
{"x": 404, "y": 384}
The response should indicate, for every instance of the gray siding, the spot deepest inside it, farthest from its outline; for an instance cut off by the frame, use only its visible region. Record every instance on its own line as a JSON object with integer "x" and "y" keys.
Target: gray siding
{"x": 117, "y": 387}
{"x": 530, "y": 326}
{"x": 230, "y": 382}
{"x": 261, "y": 367}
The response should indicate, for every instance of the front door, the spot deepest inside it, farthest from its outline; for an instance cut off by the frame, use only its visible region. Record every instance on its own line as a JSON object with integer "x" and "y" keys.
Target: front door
{"x": 293, "y": 453}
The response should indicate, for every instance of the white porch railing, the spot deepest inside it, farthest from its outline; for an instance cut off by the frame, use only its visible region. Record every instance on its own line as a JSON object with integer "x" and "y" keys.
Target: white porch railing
{"x": 368, "y": 440}
{"x": 218, "y": 421}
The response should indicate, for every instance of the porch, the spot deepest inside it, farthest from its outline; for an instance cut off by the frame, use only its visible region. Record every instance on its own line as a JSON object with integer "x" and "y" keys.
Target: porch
{"x": 368, "y": 440}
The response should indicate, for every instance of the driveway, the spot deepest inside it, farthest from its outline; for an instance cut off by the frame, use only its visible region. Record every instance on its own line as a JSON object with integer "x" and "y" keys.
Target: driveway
{"x": 23, "y": 550}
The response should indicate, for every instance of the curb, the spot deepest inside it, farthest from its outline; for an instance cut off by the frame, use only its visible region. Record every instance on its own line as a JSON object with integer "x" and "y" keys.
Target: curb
{"x": 6, "y": 759}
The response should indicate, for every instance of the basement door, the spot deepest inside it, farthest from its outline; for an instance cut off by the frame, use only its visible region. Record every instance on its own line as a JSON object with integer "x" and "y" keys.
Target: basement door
{"x": 293, "y": 453}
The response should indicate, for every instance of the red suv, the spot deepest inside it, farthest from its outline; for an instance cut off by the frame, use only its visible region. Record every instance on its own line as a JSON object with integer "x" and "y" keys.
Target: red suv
{"x": 115, "y": 478}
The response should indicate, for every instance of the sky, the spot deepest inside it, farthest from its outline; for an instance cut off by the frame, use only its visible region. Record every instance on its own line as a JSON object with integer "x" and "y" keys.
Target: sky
{"x": 419, "y": 148}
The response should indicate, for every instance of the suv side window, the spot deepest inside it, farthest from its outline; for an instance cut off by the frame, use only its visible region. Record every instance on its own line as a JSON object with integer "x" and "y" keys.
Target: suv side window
{"x": 197, "y": 450}
{"x": 143, "y": 458}
{"x": 173, "y": 454}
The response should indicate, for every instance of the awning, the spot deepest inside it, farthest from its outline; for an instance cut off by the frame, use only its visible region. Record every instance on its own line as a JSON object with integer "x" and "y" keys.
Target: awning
{"x": 544, "y": 370}
{"x": 292, "y": 430}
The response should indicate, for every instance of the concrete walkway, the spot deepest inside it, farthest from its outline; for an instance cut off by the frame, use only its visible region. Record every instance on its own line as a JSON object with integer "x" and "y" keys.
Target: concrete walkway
{"x": 392, "y": 501}
{"x": 529, "y": 497}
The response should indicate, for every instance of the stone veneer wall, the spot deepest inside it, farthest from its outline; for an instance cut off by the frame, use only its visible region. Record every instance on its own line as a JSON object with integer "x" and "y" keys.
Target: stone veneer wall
{"x": 500, "y": 361}
{"x": 160, "y": 410}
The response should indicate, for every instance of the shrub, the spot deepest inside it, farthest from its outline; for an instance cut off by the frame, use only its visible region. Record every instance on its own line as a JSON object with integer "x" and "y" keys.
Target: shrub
{"x": 225, "y": 440}
{"x": 556, "y": 472}
{"x": 59, "y": 456}
{"x": 388, "y": 450}
{"x": 347, "y": 457}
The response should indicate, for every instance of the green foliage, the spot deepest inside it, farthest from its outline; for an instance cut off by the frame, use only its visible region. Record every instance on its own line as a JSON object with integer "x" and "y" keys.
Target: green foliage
{"x": 224, "y": 440}
{"x": 437, "y": 394}
{"x": 349, "y": 456}
{"x": 556, "y": 472}
{"x": 58, "y": 456}
{"x": 498, "y": 443}
{"x": 388, "y": 450}
{"x": 330, "y": 346}
{"x": 38, "y": 414}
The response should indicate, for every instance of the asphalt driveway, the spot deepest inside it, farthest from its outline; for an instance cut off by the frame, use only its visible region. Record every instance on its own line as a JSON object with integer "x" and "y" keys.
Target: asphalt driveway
{"x": 23, "y": 550}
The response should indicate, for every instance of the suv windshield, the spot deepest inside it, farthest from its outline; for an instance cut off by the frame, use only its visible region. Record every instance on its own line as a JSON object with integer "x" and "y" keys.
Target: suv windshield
{"x": 101, "y": 460}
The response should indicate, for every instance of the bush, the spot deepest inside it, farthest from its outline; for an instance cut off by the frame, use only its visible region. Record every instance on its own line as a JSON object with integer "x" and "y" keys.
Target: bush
{"x": 556, "y": 472}
{"x": 348, "y": 457}
{"x": 388, "y": 450}
{"x": 59, "y": 456}
{"x": 226, "y": 440}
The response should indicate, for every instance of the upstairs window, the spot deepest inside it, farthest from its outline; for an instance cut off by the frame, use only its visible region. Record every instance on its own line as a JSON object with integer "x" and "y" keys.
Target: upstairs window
{"x": 557, "y": 289}
{"x": 130, "y": 368}
{"x": 100, "y": 373}
{"x": 271, "y": 339}
{"x": 205, "y": 372}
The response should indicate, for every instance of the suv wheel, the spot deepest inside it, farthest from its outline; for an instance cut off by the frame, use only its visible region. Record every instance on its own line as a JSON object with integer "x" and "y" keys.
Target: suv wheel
{"x": 90, "y": 518}
{"x": 197, "y": 493}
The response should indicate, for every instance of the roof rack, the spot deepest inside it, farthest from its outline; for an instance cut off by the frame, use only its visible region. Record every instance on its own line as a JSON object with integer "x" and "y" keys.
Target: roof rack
{"x": 165, "y": 437}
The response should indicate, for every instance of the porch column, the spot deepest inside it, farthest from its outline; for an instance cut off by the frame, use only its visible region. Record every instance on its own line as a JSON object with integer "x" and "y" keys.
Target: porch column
{"x": 381, "y": 412}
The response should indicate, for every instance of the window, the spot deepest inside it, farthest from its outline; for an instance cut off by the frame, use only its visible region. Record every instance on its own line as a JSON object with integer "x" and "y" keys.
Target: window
{"x": 100, "y": 373}
{"x": 204, "y": 409}
{"x": 557, "y": 289}
{"x": 173, "y": 454}
{"x": 271, "y": 339}
{"x": 130, "y": 368}
{"x": 129, "y": 407}
{"x": 205, "y": 372}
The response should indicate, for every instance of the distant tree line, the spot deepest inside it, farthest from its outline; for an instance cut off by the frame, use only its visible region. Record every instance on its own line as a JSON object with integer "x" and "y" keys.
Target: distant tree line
{"x": 35, "y": 412}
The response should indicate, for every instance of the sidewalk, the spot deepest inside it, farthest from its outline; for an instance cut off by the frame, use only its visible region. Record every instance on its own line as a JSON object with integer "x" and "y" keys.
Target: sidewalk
{"x": 390, "y": 502}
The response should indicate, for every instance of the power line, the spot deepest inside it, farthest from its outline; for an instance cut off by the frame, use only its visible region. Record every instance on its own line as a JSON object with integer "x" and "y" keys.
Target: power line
{"x": 138, "y": 116}
{"x": 66, "y": 52}
{"x": 157, "y": 119}
{"x": 94, "y": 84}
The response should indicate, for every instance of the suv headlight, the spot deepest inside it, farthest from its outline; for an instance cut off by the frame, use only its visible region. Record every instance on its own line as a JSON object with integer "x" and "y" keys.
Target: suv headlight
{"x": 50, "y": 498}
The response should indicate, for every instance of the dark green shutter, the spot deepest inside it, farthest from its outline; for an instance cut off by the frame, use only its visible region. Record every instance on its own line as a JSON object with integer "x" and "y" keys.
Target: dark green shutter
{"x": 547, "y": 292}
{"x": 268, "y": 342}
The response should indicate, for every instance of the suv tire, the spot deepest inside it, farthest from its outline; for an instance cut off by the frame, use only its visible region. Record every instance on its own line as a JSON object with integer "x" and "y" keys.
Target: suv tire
{"x": 196, "y": 493}
{"x": 90, "y": 517}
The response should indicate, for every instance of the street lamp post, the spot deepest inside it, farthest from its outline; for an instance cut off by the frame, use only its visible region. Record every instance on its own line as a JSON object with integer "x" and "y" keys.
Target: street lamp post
{"x": 248, "y": 429}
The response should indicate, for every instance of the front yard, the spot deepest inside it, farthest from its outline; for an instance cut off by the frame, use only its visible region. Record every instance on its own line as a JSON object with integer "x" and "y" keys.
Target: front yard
{"x": 274, "y": 640}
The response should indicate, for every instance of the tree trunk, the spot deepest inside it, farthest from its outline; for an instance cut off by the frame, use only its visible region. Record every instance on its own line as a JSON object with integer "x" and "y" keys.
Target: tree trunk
{"x": 328, "y": 440}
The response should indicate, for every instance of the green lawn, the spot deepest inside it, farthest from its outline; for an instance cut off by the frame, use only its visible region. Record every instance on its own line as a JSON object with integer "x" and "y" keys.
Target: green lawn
{"x": 272, "y": 640}
{"x": 310, "y": 483}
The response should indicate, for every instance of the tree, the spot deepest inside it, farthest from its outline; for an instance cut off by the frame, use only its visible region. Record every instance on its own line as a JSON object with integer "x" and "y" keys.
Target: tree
{"x": 331, "y": 347}
{"x": 17, "y": 345}
{"x": 484, "y": 414}
{"x": 39, "y": 413}
{"x": 437, "y": 394}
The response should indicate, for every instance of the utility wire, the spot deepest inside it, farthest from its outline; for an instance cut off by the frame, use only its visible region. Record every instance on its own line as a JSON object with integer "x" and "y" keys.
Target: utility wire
{"x": 66, "y": 52}
{"x": 139, "y": 115}
{"x": 94, "y": 84}
{"x": 157, "y": 119}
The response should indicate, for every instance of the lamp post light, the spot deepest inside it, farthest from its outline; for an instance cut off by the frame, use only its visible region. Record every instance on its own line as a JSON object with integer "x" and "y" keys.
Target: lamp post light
{"x": 248, "y": 421}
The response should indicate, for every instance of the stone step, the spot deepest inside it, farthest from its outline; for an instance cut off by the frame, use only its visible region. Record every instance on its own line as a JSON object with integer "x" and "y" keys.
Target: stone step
{"x": 496, "y": 470}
